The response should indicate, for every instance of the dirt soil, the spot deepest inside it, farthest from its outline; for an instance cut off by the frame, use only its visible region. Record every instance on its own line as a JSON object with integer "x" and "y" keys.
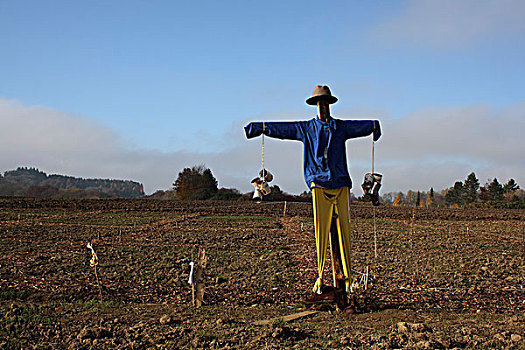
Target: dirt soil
{"x": 438, "y": 278}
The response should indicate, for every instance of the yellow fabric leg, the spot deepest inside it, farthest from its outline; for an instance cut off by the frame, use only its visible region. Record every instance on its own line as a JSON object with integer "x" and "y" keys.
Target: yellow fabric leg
{"x": 344, "y": 230}
{"x": 324, "y": 201}
{"x": 322, "y": 220}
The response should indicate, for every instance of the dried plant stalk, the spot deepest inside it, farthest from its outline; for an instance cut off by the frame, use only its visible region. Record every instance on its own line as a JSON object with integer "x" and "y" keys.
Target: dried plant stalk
{"x": 93, "y": 262}
{"x": 199, "y": 277}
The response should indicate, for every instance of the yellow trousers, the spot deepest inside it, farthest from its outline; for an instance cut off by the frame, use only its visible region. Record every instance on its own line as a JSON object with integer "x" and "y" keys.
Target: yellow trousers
{"x": 325, "y": 201}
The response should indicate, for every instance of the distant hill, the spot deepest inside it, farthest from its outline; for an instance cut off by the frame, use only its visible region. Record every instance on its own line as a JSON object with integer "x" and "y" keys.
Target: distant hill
{"x": 31, "y": 182}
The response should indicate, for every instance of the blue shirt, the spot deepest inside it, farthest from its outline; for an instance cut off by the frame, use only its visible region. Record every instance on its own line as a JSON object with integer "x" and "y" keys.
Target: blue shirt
{"x": 324, "y": 145}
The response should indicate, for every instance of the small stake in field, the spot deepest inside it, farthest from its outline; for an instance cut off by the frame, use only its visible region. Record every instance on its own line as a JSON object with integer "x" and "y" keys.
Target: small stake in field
{"x": 191, "y": 281}
{"x": 196, "y": 279}
{"x": 93, "y": 262}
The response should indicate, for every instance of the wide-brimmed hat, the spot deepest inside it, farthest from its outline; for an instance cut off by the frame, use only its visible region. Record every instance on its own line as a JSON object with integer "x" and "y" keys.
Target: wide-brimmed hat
{"x": 323, "y": 92}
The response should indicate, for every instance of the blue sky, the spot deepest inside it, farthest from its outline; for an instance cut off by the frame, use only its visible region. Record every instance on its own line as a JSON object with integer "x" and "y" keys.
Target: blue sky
{"x": 160, "y": 82}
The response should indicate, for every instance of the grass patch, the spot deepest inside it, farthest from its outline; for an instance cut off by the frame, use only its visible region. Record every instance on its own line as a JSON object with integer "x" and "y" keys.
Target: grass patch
{"x": 63, "y": 216}
{"x": 14, "y": 294}
{"x": 111, "y": 219}
{"x": 95, "y": 305}
{"x": 238, "y": 218}
{"x": 9, "y": 215}
{"x": 245, "y": 221}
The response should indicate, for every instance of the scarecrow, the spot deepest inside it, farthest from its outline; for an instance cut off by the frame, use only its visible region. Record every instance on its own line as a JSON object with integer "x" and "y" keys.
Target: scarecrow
{"x": 326, "y": 174}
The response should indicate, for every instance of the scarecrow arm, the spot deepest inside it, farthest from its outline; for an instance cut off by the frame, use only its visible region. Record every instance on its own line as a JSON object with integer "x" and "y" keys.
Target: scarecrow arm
{"x": 359, "y": 128}
{"x": 280, "y": 130}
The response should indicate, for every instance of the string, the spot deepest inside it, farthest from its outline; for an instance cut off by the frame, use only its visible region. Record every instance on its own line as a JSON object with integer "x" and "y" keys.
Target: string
{"x": 374, "y": 210}
{"x": 262, "y": 151}
{"x": 373, "y": 146}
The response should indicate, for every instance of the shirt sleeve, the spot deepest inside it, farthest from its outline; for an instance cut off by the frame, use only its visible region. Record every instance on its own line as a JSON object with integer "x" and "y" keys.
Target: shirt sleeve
{"x": 359, "y": 128}
{"x": 280, "y": 130}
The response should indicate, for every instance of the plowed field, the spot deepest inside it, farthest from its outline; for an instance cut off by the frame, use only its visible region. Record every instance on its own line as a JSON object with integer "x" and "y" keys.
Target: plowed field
{"x": 438, "y": 278}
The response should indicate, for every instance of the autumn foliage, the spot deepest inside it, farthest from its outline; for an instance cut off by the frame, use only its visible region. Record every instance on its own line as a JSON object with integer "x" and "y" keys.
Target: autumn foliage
{"x": 197, "y": 182}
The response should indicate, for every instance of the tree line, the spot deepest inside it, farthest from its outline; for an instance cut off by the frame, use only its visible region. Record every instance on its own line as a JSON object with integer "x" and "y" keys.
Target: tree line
{"x": 31, "y": 182}
{"x": 464, "y": 193}
{"x": 493, "y": 193}
{"x": 198, "y": 183}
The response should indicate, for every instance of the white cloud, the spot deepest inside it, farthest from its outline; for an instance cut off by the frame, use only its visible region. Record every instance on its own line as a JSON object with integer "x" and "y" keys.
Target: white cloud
{"x": 427, "y": 148}
{"x": 58, "y": 142}
{"x": 452, "y": 23}
{"x": 62, "y": 143}
{"x": 438, "y": 146}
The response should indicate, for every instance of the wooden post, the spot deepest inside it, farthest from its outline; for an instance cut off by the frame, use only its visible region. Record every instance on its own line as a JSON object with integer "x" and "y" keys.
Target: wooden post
{"x": 193, "y": 294}
{"x": 366, "y": 279}
{"x": 335, "y": 252}
{"x": 199, "y": 277}
{"x": 337, "y": 267}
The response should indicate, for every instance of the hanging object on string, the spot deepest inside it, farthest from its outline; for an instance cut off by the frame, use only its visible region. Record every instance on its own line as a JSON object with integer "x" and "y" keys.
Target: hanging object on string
{"x": 372, "y": 182}
{"x": 371, "y": 186}
{"x": 261, "y": 182}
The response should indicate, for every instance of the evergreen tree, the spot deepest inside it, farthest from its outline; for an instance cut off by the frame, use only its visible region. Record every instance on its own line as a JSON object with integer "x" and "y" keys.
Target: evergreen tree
{"x": 495, "y": 190}
{"x": 418, "y": 200}
{"x": 511, "y": 186}
{"x": 484, "y": 193}
{"x": 470, "y": 189}
{"x": 455, "y": 194}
